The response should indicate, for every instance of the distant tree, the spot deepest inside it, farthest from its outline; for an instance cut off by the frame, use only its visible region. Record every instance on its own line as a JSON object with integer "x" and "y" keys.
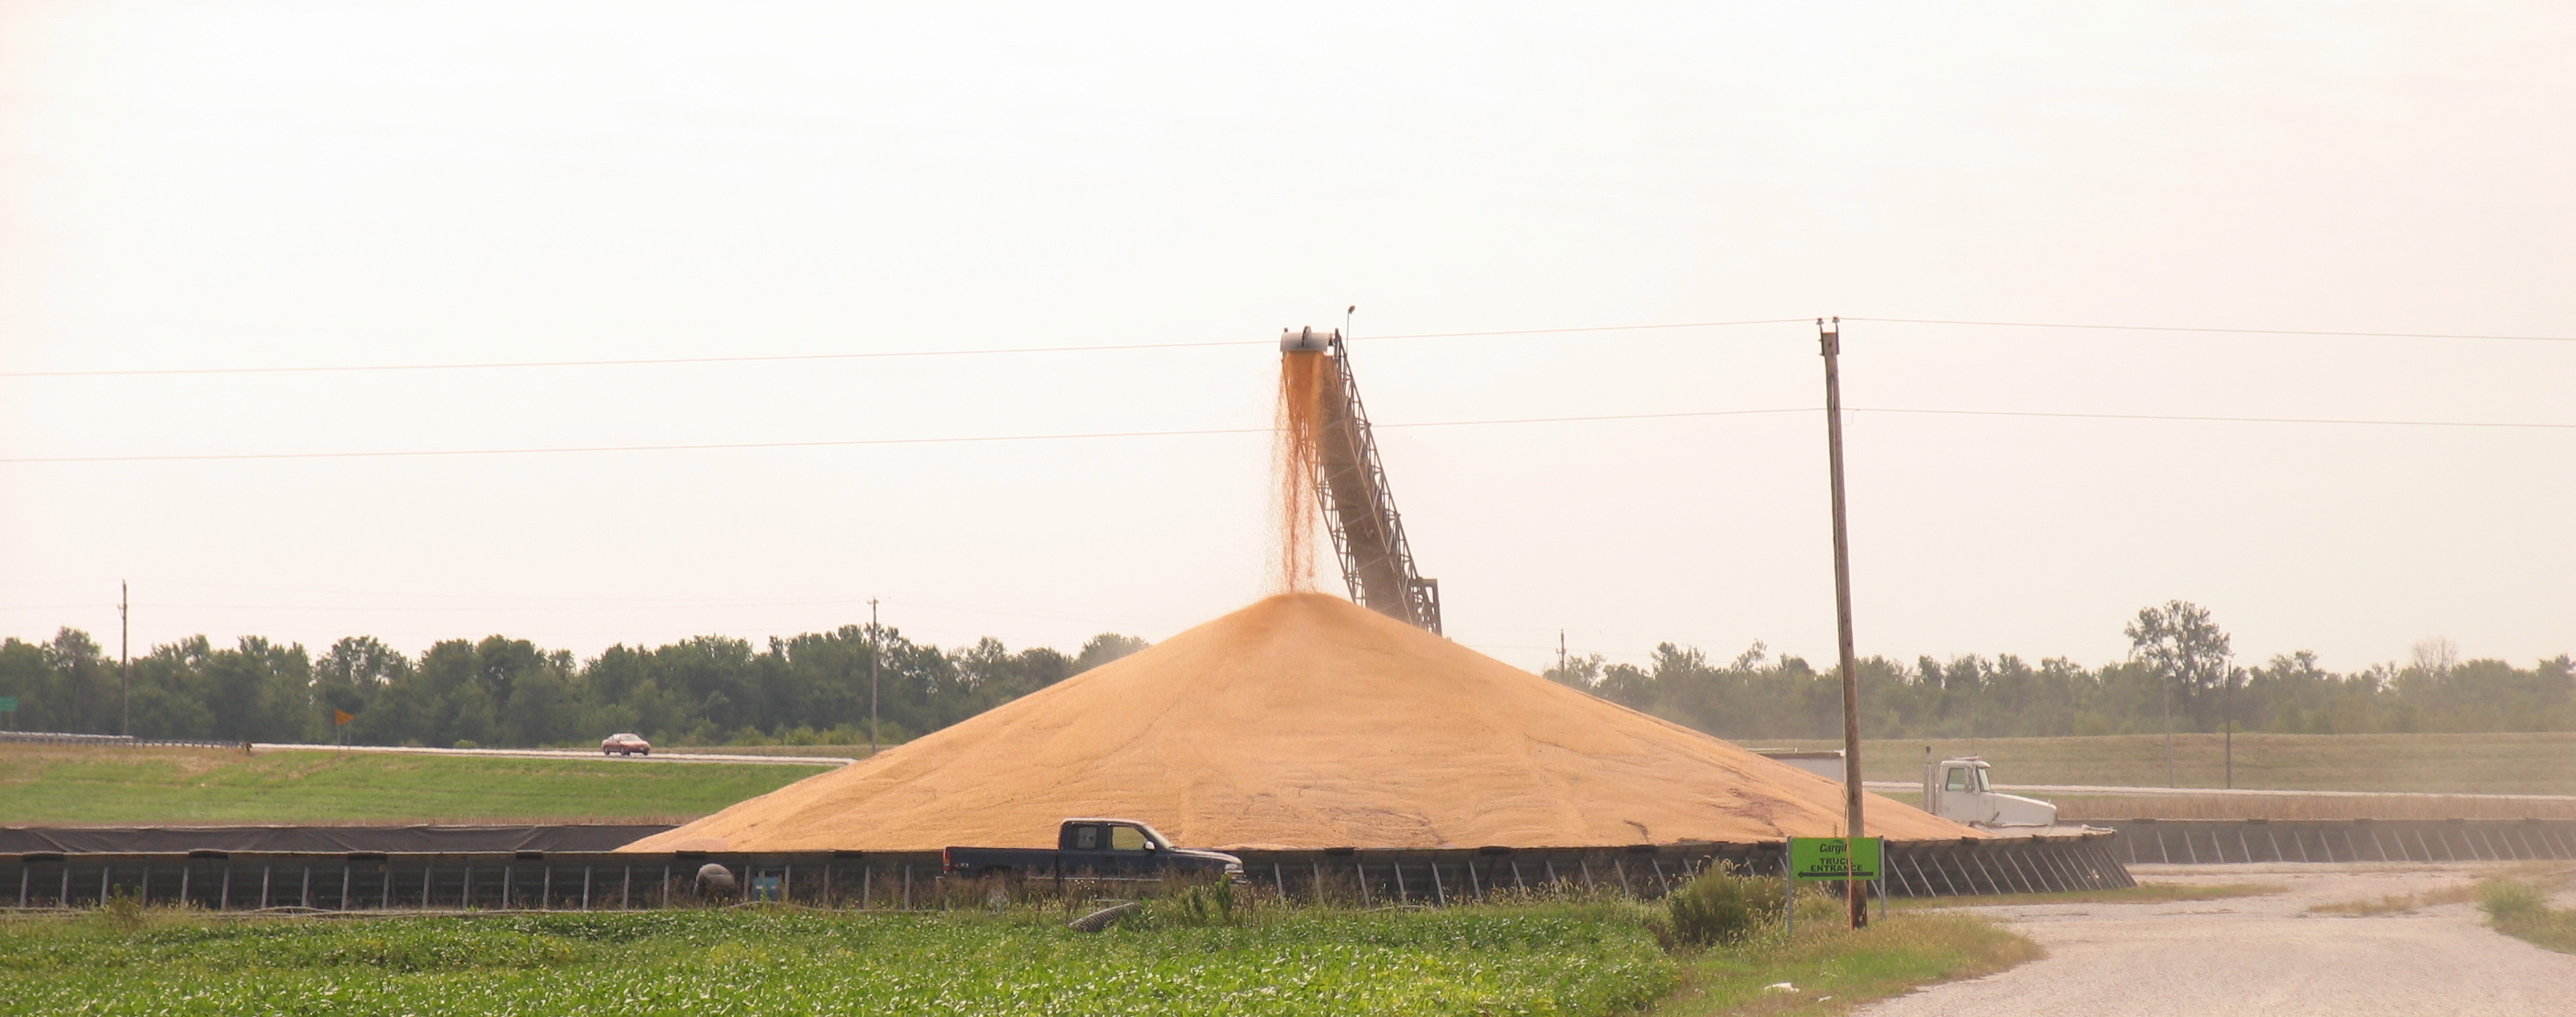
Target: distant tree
{"x": 1629, "y": 686}
{"x": 813, "y": 688}
{"x": 2437, "y": 655}
{"x": 1106, "y": 647}
{"x": 2186, "y": 651}
{"x": 1582, "y": 672}
{"x": 353, "y": 672}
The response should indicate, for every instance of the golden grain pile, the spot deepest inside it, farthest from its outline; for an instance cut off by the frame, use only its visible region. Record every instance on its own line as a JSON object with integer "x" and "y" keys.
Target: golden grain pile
{"x": 1303, "y": 721}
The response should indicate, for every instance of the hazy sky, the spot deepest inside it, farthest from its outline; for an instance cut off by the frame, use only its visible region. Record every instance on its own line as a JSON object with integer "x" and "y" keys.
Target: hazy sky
{"x": 205, "y": 184}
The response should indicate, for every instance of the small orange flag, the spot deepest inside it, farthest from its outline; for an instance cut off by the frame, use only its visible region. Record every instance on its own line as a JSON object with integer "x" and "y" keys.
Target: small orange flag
{"x": 342, "y": 717}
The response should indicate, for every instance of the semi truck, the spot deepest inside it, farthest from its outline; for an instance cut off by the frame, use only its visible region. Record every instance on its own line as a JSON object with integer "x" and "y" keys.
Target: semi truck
{"x": 1092, "y": 848}
{"x": 1958, "y": 790}
{"x": 1954, "y": 789}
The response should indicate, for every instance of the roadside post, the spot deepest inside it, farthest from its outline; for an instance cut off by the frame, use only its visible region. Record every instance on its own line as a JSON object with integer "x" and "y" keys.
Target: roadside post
{"x": 1853, "y": 861}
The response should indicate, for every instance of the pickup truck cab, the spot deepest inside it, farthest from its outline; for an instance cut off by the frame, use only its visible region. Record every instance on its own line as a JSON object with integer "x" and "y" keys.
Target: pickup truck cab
{"x": 1092, "y": 848}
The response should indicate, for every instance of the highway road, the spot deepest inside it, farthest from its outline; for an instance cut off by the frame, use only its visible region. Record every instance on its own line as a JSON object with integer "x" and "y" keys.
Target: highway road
{"x": 656, "y": 757}
{"x": 2124, "y": 790}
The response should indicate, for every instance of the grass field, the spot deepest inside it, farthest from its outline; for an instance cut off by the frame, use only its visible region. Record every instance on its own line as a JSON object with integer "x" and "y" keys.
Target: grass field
{"x": 2096, "y": 808}
{"x": 2441, "y": 763}
{"x": 2081, "y": 807}
{"x": 92, "y": 784}
{"x": 1568, "y": 959}
{"x": 859, "y": 751}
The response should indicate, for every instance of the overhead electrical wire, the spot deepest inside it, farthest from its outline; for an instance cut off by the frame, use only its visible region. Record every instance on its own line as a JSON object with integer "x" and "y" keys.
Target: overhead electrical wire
{"x": 2322, "y": 333}
{"x": 2220, "y": 419}
{"x": 633, "y": 362}
{"x": 1213, "y": 431}
{"x": 961, "y": 439}
{"x": 1117, "y": 347}
{"x": 874, "y": 355}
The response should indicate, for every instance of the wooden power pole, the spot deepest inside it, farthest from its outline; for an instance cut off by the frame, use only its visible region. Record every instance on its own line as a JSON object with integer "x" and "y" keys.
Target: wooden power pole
{"x": 1830, "y": 336}
{"x": 875, "y": 650}
{"x": 125, "y": 657}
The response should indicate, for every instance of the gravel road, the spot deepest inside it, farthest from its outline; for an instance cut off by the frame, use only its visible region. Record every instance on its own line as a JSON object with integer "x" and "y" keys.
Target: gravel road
{"x": 2264, "y": 955}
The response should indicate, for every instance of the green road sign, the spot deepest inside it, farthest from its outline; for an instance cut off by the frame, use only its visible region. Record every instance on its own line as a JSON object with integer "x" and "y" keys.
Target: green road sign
{"x": 1834, "y": 857}
{"x": 8, "y": 704}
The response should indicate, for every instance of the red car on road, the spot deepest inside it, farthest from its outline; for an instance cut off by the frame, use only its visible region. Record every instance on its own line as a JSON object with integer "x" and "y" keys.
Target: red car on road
{"x": 625, "y": 745}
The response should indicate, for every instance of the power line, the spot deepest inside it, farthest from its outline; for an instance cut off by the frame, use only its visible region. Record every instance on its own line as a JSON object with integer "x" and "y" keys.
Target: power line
{"x": 512, "y": 364}
{"x": 515, "y": 602}
{"x": 2220, "y": 331}
{"x": 1201, "y": 432}
{"x": 964, "y": 439}
{"x": 877, "y": 355}
{"x": 1116, "y": 347}
{"x": 1587, "y": 328}
{"x": 425, "y": 453}
{"x": 2222, "y": 420}
{"x": 709, "y": 605}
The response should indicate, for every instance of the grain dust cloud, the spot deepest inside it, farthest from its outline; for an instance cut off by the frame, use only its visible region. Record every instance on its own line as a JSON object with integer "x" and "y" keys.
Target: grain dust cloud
{"x": 1295, "y": 459}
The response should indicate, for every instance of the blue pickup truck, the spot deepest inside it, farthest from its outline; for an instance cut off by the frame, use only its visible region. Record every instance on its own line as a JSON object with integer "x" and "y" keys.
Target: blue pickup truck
{"x": 1092, "y": 849}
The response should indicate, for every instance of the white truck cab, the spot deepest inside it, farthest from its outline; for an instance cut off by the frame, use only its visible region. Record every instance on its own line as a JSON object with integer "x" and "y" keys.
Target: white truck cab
{"x": 1958, "y": 790}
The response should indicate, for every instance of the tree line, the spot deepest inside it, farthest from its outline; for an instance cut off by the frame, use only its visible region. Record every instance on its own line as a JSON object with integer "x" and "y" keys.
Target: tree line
{"x": 813, "y": 689}
{"x": 710, "y": 690}
{"x": 2179, "y": 672}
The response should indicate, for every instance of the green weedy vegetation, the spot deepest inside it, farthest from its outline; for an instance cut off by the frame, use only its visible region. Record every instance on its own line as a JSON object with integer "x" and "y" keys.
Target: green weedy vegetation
{"x": 2522, "y": 910}
{"x": 1834, "y": 969}
{"x": 1721, "y": 906}
{"x": 1544, "y": 959}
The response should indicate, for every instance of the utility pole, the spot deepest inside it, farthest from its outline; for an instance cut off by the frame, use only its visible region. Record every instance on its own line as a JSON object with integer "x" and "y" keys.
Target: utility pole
{"x": 1560, "y": 652}
{"x": 2227, "y": 673}
{"x": 2169, "y": 760}
{"x": 873, "y": 653}
{"x": 1829, "y": 336}
{"x": 125, "y": 656}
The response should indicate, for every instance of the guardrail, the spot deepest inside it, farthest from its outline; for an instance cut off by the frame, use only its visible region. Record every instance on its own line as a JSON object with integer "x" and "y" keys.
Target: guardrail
{"x": 69, "y": 738}
{"x": 594, "y": 880}
{"x": 2241, "y": 841}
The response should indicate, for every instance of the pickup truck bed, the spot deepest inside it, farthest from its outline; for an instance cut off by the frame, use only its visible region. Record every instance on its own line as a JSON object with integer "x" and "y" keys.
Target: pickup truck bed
{"x": 1092, "y": 849}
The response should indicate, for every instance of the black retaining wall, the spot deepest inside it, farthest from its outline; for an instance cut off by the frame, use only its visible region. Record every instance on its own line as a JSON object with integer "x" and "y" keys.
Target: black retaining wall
{"x": 417, "y": 839}
{"x": 595, "y": 880}
{"x": 2238, "y": 841}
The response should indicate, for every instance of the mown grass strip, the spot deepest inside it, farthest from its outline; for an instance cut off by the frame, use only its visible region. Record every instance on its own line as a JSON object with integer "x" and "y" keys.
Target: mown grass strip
{"x": 1830, "y": 969}
{"x": 2486, "y": 763}
{"x": 53, "y": 784}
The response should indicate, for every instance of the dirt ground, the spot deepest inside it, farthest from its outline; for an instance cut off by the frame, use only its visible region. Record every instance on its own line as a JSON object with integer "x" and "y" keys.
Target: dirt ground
{"x": 2266, "y": 955}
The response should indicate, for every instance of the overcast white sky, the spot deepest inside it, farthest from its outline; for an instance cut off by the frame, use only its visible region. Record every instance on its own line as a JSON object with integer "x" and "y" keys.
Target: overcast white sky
{"x": 204, "y": 183}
